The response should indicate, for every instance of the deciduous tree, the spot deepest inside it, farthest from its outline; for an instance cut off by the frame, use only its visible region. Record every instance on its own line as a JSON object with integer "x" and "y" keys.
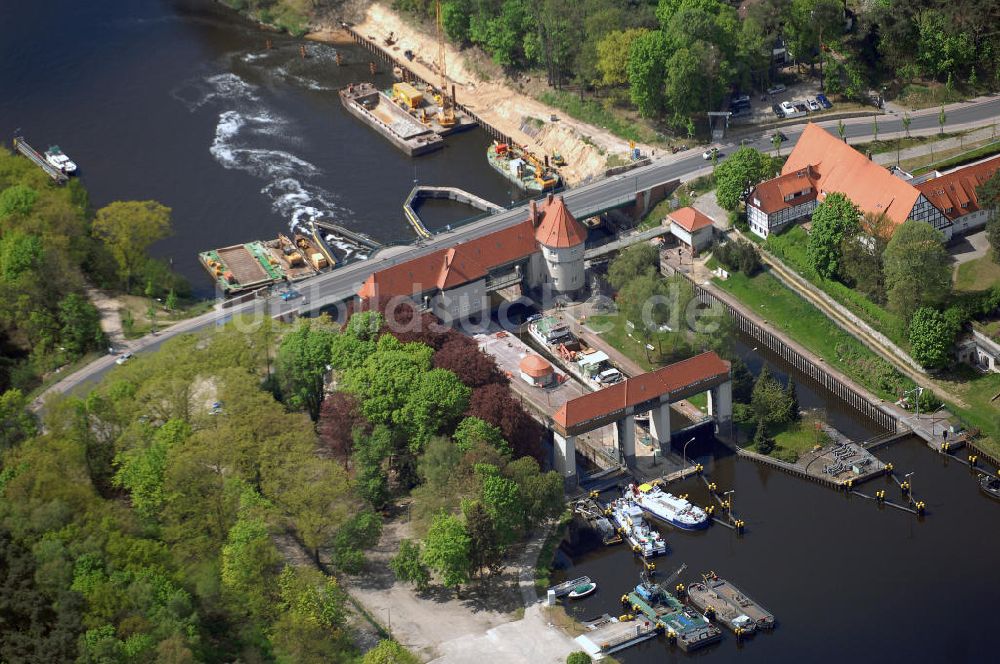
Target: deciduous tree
{"x": 737, "y": 176}
{"x": 917, "y": 268}
{"x": 446, "y": 550}
{"x": 833, "y": 220}
{"x": 988, "y": 194}
{"x": 128, "y": 228}
{"x": 302, "y": 362}
{"x": 932, "y": 338}
{"x": 408, "y": 565}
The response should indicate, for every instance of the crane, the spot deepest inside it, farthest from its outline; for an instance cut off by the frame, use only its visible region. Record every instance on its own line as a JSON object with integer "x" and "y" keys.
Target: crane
{"x": 446, "y": 115}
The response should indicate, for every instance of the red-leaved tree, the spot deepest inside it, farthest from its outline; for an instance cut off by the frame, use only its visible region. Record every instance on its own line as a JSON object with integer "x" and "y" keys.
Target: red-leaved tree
{"x": 495, "y": 404}
{"x": 339, "y": 415}
{"x": 462, "y": 356}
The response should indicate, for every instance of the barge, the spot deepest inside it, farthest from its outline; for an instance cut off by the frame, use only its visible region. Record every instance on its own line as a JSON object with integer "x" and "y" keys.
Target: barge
{"x": 522, "y": 168}
{"x": 590, "y": 365}
{"x": 372, "y": 106}
{"x": 427, "y": 104}
{"x": 245, "y": 267}
{"x": 689, "y": 628}
{"x": 607, "y": 634}
{"x": 591, "y": 512}
{"x": 733, "y": 608}
{"x": 643, "y": 538}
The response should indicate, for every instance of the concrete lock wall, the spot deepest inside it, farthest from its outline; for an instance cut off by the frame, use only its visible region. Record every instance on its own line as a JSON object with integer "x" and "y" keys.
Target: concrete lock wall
{"x": 659, "y": 426}
{"x": 625, "y": 438}
{"x": 565, "y": 460}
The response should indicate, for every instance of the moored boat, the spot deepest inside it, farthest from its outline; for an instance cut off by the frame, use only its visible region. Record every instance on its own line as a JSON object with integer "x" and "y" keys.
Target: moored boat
{"x": 675, "y": 510}
{"x": 990, "y": 486}
{"x": 733, "y": 607}
{"x": 643, "y": 538}
{"x": 521, "y": 167}
{"x": 58, "y": 159}
{"x": 549, "y": 331}
{"x": 583, "y": 590}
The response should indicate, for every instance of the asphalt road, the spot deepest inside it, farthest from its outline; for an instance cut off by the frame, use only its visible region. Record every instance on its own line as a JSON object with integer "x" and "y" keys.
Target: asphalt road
{"x": 333, "y": 287}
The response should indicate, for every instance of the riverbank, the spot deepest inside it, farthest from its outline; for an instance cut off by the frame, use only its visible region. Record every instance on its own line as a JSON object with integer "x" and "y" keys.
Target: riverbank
{"x": 480, "y": 86}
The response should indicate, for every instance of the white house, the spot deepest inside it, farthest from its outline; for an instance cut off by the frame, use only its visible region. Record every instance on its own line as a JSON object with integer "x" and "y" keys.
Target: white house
{"x": 691, "y": 227}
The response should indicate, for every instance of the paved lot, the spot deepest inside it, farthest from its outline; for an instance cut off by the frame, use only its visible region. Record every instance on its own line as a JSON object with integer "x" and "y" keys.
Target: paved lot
{"x": 969, "y": 248}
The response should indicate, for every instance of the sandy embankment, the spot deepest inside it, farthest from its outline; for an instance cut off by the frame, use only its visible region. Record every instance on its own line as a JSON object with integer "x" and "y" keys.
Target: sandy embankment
{"x": 585, "y": 147}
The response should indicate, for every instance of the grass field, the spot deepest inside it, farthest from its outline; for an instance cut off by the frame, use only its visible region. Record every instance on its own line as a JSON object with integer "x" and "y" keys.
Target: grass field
{"x": 790, "y": 247}
{"x": 605, "y": 115}
{"x": 807, "y": 325}
{"x": 952, "y": 158}
{"x": 978, "y": 274}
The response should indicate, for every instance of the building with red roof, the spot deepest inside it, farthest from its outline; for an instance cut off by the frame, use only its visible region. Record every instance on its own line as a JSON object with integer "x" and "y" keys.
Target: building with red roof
{"x": 691, "y": 227}
{"x": 954, "y": 193}
{"x": 822, "y": 164}
{"x": 545, "y": 249}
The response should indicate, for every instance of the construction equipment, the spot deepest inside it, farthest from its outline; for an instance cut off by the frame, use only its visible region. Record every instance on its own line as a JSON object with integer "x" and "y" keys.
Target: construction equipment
{"x": 446, "y": 114}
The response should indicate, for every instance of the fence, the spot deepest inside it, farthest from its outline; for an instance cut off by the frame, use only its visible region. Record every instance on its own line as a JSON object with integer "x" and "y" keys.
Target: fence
{"x": 849, "y": 395}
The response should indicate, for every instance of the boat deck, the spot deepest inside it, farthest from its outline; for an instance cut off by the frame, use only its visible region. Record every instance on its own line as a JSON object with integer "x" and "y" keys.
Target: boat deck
{"x": 729, "y": 603}
{"x": 398, "y": 120}
{"x": 607, "y": 634}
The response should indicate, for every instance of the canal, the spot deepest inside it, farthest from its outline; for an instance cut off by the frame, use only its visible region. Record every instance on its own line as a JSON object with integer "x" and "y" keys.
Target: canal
{"x": 847, "y": 580}
{"x": 180, "y": 102}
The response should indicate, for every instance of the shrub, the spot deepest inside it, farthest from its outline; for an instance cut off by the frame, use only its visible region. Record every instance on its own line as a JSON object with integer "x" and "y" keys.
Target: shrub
{"x": 578, "y": 657}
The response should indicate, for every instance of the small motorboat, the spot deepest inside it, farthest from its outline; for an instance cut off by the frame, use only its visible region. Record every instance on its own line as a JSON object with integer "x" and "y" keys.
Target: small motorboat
{"x": 583, "y": 590}
{"x": 55, "y": 156}
{"x": 990, "y": 486}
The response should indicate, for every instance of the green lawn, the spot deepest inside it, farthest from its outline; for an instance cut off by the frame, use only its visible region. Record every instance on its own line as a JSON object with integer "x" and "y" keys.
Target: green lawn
{"x": 800, "y": 320}
{"x": 963, "y": 157}
{"x": 790, "y": 247}
{"x": 978, "y": 390}
{"x": 978, "y": 274}
{"x": 655, "y": 216}
{"x": 612, "y": 329}
{"x": 890, "y": 145}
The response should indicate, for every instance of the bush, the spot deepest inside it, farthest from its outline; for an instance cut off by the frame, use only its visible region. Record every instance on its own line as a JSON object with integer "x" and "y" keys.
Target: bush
{"x": 738, "y": 256}
{"x": 578, "y": 657}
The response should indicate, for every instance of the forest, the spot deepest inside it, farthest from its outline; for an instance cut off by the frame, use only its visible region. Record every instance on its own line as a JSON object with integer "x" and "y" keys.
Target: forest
{"x": 203, "y": 503}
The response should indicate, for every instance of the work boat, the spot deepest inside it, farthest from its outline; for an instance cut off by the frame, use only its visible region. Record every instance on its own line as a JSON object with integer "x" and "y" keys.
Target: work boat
{"x": 667, "y": 507}
{"x": 54, "y": 155}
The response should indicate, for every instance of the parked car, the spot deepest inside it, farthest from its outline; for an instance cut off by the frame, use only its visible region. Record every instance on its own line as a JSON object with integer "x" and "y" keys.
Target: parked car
{"x": 123, "y": 358}
{"x": 777, "y": 110}
{"x": 709, "y": 153}
{"x": 823, "y": 101}
{"x": 813, "y": 105}
{"x": 776, "y": 89}
{"x": 741, "y": 99}
{"x": 792, "y": 110}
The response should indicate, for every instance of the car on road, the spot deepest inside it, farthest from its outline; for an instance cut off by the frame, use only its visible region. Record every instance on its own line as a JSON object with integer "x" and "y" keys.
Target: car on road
{"x": 290, "y": 295}
{"x": 777, "y": 110}
{"x": 776, "y": 89}
{"x": 813, "y": 105}
{"x": 709, "y": 153}
{"x": 780, "y": 136}
{"x": 823, "y": 101}
{"x": 123, "y": 358}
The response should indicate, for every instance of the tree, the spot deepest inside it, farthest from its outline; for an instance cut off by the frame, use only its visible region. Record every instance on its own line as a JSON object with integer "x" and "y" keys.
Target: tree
{"x": 462, "y": 356}
{"x": 646, "y": 69}
{"x": 737, "y": 176}
{"x": 932, "y": 338}
{"x": 742, "y": 380}
{"x": 942, "y": 118}
{"x": 917, "y": 268}
{"x": 861, "y": 256}
{"x": 501, "y": 497}
{"x": 792, "y": 396}
{"x": 988, "y": 194}
{"x": 248, "y": 562}
{"x": 833, "y": 220}
{"x": 171, "y": 301}
{"x": 369, "y": 454}
{"x": 360, "y": 532}
{"x": 446, "y": 550}
{"x": 578, "y": 657}
{"x": 494, "y": 404}
{"x": 613, "y": 55}
{"x": 841, "y": 129}
{"x": 762, "y": 442}
{"x": 340, "y": 419}
{"x": 128, "y": 228}
{"x": 18, "y": 199}
{"x": 636, "y": 261}
{"x": 80, "y": 324}
{"x": 389, "y": 652}
{"x": 16, "y": 421}
{"x": 142, "y": 469}
{"x": 19, "y": 253}
{"x": 907, "y": 120}
{"x": 408, "y": 565}
{"x": 437, "y": 401}
{"x": 472, "y": 430}
{"x": 301, "y": 364}
{"x": 776, "y": 143}
{"x": 485, "y": 546}
{"x": 770, "y": 403}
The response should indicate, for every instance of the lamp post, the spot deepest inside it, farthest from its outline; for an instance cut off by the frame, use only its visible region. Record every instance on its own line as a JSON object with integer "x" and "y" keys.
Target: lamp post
{"x": 685, "y": 451}
{"x": 729, "y": 500}
{"x": 909, "y": 482}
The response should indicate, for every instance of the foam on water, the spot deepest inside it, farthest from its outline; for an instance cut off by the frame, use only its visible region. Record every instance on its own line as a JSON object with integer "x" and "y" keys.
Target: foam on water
{"x": 195, "y": 93}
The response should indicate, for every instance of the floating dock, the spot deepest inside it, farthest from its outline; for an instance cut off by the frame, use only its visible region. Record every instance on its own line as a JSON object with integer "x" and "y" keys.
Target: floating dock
{"x": 21, "y": 145}
{"x": 728, "y": 602}
{"x": 365, "y": 102}
{"x": 607, "y": 634}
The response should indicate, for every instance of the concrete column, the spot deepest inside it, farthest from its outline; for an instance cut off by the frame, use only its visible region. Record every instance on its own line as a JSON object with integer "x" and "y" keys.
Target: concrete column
{"x": 625, "y": 435}
{"x": 659, "y": 425}
{"x": 720, "y": 407}
{"x": 565, "y": 461}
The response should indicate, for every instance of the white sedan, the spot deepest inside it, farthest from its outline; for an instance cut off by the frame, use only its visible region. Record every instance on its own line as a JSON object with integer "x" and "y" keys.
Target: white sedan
{"x": 709, "y": 153}
{"x": 813, "y": 105}
{"x": 123, "y": 358}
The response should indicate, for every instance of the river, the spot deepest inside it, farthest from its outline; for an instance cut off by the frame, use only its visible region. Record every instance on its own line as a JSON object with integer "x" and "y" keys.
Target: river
{"x": 180, "y": 102}
{"x": 847, "y": 580}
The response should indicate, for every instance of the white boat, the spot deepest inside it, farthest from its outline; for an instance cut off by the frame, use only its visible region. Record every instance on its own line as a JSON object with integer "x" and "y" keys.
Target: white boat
{"x": 583, "y": 590}
{"x": 549, "y": 331}
{"x": 667, "y": 507}
{"x": 54, "y": 155}
{"x": 643, "y": 539}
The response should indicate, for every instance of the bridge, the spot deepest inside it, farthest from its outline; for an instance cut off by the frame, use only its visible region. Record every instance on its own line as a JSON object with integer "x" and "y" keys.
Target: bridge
{"x": 651, "y": 392}
{"x": 331, "y": 288}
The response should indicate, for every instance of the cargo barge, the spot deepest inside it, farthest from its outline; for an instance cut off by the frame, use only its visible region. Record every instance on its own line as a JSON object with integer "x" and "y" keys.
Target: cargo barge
{"x": 690, "y": 629}
{"x": 522, "y": 168}
{"x": 367, "y": 103}
{"x": 590, "y": 365}
{"x": 427, "y": 105}
{"x": 731, "y": 606}
{"x": 591, "y": 512}
{"x": 244, "y": 267}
